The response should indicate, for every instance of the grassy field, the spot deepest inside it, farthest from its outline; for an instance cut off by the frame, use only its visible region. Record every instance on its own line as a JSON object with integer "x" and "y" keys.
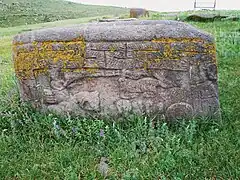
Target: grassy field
{"x": 21, "y": 12}
{"x": 32, "y": 146}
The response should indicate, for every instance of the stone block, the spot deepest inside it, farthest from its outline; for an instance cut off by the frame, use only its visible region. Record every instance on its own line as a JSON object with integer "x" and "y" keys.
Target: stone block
{"x": 142, "y": 66}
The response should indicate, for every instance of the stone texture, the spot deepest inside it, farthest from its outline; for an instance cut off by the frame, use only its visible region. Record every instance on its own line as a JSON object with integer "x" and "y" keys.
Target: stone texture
{"x": 163, "y": 67}
{"x": 179, "y": 110}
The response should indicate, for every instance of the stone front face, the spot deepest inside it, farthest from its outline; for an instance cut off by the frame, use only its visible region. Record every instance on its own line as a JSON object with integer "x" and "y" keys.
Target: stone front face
{"x": 174, "y": 74}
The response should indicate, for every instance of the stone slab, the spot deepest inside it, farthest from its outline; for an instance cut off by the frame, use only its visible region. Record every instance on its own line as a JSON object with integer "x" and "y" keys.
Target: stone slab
{"x": 142, "y": 66}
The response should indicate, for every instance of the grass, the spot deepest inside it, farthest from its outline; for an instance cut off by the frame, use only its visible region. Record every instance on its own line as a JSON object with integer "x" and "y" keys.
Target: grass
{"x": 32, "y": 147}
{"x": 15, "y": 12}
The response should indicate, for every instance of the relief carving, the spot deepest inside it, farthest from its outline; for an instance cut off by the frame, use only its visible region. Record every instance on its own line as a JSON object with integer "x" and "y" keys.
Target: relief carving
{"x": 130, "y": 89}
{"x": 49, "y": 97}
{"x": 179, "y": 110}
{"x": 89, "y": 101}
{"x": 140, "y": 66}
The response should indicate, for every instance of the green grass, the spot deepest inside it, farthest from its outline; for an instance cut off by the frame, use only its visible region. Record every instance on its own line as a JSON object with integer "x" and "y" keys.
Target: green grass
{"x": 31, "y": 147}
{"x": 15, "y": 12}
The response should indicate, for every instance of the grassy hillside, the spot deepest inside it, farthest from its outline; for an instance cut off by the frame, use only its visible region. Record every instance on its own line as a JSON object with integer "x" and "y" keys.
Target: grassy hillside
{"x": 19, "y": 12}
{"x": 31, "y": 147}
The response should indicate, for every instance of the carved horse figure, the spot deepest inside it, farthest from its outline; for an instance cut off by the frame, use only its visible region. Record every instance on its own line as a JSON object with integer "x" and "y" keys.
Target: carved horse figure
{"x": 137, "y": 12}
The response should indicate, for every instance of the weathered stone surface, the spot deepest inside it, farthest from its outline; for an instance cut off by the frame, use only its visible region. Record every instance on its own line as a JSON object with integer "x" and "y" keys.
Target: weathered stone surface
{"x": 163, "y": 67}
{"x": 117, "y": 19}
{"x": 179, "y": 110}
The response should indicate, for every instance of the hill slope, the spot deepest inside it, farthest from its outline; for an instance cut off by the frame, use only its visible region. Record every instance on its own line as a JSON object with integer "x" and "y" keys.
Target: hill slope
{"x": 19, "y": 12}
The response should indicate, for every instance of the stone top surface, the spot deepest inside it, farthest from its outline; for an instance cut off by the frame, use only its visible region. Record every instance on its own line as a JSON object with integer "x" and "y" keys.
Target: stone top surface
{"x": 139, "y": 30}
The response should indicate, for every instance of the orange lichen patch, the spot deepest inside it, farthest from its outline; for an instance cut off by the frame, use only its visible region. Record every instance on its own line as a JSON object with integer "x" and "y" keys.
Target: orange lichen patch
{"x": 44, "y": 54}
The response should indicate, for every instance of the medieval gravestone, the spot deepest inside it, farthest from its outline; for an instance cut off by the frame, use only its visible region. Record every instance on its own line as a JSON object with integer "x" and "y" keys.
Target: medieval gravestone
{"x": 164, "y": 67}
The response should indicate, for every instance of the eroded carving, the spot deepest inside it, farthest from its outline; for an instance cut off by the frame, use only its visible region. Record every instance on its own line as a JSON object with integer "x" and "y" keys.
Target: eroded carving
{"x": 110, "y": 68}
{"x": 130, "y": 89}
{"x": 179, "y": 110}
{"x": 89, "y": 101}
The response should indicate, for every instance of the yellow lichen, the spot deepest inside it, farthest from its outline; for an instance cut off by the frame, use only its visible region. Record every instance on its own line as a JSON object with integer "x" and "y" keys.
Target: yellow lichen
{"x": 112, "y": 49}
{"x": 170, "y": 52}
{"x": 44, "y": 54}
{"x": 36, "y": 57}
{"x": 171, "y": 40}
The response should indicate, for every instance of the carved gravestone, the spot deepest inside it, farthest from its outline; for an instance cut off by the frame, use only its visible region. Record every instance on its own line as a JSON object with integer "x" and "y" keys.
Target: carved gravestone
{"x": 163, "y": 67}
